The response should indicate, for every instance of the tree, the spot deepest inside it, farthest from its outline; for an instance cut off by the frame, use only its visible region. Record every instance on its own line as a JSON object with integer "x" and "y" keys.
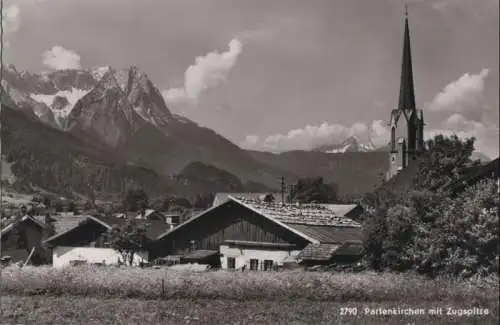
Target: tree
{"x": 464, "y": 239}
{"x": 58, "y": 206}
{"x": 128, "y": 239}
{"x": 48, "y": 231}
{"x": 47, "y": 202}
{"x": 88, "y": 206}
{"x": 426, "y": 230}
{"x": 445, "y": 158}
{"x": 203, "y": 201}
{"x": 309, "y": 190}
{"x": 157, "y": 204}
{"x": 23, "y": 210}
{"x": 136, "y": 199}
{"x": 375, "y": 228}
{"x": 71, "y": 207}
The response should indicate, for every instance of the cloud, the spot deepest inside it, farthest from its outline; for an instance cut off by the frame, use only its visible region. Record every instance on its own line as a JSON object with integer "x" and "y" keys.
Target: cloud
{"x": 60, "y": 58}
{"x": 250, "y": 141}
{"x": 486, "y": 134}
{"x": 310, "y": 137}
{"x": 207, "y": 72}
{"x": 463, "y": 94}
{"x": 11, "y": 21}
{"x": 378, "y": 134}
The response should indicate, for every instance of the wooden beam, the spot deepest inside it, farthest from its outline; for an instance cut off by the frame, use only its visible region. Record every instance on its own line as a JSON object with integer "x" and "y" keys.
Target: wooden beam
{"x": 259, "y": 244}
{"x": 29, "y": 256}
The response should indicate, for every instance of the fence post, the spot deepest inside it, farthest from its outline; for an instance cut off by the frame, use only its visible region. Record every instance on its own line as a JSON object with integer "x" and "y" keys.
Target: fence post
{"x": 162, "y": 288}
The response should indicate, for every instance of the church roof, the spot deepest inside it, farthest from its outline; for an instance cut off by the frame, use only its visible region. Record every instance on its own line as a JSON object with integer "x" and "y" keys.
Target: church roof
{"x": 474, "y": 175}
{"x": 406, "y": 91}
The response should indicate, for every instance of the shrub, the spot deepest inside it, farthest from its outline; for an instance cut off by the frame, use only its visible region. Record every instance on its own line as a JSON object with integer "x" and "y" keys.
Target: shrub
{"x": 434, "y": 234}
{"x": 464, "y": 240}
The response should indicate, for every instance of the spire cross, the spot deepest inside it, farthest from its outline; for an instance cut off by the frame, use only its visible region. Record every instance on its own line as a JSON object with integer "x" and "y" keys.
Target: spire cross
{"x": 406, "y": 10}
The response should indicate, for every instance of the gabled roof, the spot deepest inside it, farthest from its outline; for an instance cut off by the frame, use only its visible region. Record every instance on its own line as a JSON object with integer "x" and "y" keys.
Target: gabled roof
{"x": 155, "y": 227}
{"x": 26, "y": 218}
{"x": 62, "y": 221}
{"x": 405, "y": 178}
{"x": 315, "y": 223}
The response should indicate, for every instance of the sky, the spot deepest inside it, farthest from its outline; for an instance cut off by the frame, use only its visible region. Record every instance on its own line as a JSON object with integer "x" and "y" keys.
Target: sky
{"x": 281, "y": 74}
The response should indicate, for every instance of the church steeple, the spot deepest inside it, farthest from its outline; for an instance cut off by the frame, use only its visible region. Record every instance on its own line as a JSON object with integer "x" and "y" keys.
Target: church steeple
{"x": 406, "y": 90}
{"x": 406, "y": 148}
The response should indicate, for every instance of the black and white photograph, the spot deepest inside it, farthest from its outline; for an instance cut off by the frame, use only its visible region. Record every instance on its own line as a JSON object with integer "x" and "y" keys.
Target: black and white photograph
{"x": 249, "y": 162}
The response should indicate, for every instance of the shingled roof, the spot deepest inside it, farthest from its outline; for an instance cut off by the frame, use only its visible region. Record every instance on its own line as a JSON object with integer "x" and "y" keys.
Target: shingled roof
{"x": 326, "y": 252}
{"x": 304, "y": 214}
{"x": 153, "y": 229}
{"x": 318, "y": 252}
{"x": 317, "y": 223}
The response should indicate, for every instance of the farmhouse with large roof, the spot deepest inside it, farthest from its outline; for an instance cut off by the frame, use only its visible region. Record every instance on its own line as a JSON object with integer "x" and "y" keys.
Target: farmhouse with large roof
{"x": 258, "y": 235}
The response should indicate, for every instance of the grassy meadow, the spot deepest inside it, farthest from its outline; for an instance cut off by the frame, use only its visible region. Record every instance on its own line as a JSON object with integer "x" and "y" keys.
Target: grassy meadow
{"x": 44, "y": 295}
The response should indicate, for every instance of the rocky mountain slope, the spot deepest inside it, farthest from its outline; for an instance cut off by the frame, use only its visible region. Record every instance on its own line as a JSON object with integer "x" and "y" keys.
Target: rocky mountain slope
{"x": 199, "y": 175}
{"x": 354, "y": 173}
{"x": 36, "y": 156}
{"x": 45, "y": 157}
{"x": 123, "y": 110}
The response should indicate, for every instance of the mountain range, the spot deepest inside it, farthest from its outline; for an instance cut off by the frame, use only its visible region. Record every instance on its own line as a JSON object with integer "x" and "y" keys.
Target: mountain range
{"x": 91, "y": 131}
{"x": 124, "y": 114}
{"x": 351, "y": 144}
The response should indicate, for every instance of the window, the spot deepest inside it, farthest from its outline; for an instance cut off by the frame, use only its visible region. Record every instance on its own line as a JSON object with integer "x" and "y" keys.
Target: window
{"x": 393, "y": 138}
{"x": 192, "y": 245}
{"x": 231, "y": 263}
{"x": 268, "y": 265}
{"x": 254, "y": 264}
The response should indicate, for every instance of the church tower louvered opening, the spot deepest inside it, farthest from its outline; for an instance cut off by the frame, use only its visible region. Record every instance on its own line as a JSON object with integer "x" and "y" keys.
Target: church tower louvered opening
{"x": 405, "y": 120}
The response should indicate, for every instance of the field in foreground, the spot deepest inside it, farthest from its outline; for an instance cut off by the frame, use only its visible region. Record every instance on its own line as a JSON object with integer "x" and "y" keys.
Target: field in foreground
{"x": 109, "y": 282}
{"x": 84, "y": 295}
{"x": 89, "y": 311}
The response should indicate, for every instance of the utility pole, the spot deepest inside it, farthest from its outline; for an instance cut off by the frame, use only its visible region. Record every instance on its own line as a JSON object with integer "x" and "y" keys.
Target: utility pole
{"x": 282, "y": 190}
{"x": 291, "y": 193}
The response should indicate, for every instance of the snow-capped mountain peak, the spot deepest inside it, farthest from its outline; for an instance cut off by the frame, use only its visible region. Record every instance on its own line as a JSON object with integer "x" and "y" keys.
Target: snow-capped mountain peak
{"x": 351, "y": 144}
{"x": 60, "y": 103}
{"x": 99, "y": 72}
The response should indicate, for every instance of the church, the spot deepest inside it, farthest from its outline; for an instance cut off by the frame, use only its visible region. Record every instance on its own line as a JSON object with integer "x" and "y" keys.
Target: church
{"x": 406, "y": 121}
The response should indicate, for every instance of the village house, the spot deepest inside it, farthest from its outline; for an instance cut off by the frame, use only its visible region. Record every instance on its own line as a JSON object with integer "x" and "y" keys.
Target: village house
{"x": 171, "y": 218}
{"x": 85, "y": 242}
{"x": 258, "y": 235}
{"x": 21, "y": 241}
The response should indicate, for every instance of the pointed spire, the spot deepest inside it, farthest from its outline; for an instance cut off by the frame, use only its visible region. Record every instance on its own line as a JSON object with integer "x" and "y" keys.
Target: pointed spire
{"x": 406, "y": 92}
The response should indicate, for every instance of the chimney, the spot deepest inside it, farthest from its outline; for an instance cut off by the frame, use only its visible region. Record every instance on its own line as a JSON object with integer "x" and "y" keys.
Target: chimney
{"x": 172, "y": 220}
